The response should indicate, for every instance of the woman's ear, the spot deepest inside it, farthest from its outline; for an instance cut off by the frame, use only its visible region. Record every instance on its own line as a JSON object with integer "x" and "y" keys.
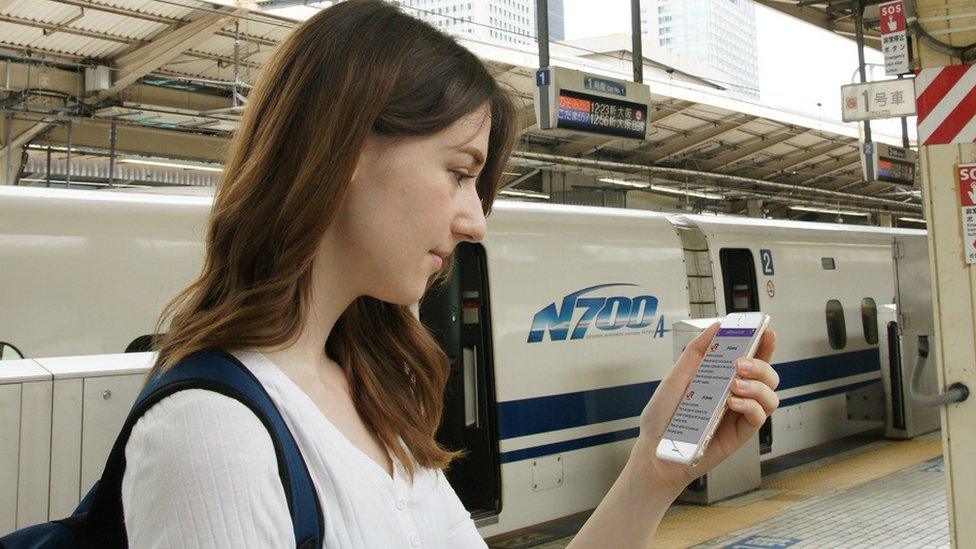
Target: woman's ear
{"x": 367, "y": 154}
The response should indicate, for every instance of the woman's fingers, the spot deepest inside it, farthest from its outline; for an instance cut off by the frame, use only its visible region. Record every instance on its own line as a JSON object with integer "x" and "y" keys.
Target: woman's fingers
{"x": 750, "y": 409}
{"x": 757, "y": 391}
{"x": 757, "y": 369}
{"x": 687, "y": 365}
{"x": 696, "y": 349}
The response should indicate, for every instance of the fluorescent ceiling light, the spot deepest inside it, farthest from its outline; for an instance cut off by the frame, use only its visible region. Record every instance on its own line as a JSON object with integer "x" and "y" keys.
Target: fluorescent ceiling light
{"x": 171, "y": 164}
{"x": 61, "y": 180}
{"x": 662, "y": 188}
{"x": 635, "y": 184}
{"x": 697, "y": 194}
{"x": 827, "y": 211}
{"x": 511, "y": 173}
{"x": 524, "y": 194}
{"x": 913, "y": 220}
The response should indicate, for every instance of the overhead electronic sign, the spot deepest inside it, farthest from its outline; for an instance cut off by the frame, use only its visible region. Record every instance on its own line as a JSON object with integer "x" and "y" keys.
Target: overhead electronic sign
{"x": 573, "y": 101}
{"x": 888, "y": 164}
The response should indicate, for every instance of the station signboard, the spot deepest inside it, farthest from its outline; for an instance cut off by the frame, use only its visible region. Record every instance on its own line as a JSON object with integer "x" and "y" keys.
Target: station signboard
{"x": 574, "y": 101}
{"x": 966, "y": 179}
{"x": 888, "y": 164}
{"x": 894, "y": 38}
{"x": 879, "y": 99}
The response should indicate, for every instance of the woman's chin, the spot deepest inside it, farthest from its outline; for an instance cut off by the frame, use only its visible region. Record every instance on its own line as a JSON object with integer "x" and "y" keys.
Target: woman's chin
{"x": 402, "y": 296}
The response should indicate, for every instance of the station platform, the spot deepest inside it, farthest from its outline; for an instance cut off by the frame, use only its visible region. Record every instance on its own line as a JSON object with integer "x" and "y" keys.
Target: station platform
{"x": 880, "y": 493}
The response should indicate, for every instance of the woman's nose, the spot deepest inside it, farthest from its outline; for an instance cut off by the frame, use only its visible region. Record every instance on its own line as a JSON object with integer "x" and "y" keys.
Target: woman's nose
{"x": 470, "y": 224}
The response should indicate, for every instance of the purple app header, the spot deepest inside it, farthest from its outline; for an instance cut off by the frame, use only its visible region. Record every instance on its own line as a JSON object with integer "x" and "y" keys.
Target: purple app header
{"x": 735, "y": 332}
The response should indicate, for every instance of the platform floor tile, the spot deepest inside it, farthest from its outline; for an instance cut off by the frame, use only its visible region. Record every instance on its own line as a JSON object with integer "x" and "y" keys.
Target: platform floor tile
{"x": 906, "y": 510}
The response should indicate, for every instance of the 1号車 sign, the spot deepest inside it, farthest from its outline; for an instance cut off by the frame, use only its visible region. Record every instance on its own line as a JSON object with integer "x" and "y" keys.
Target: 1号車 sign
{"x": 879, "y": 99}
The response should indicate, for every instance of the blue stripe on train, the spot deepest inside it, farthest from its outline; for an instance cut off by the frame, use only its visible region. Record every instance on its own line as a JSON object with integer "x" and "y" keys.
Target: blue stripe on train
{"x": 531, "y": 416}
{"x": 605, "y": 438}
{"x": 552, "y": 413}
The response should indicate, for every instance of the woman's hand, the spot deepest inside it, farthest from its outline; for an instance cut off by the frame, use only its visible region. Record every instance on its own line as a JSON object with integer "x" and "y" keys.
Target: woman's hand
{"x": 632, "y": 509}
{"x": 753, "y": 399}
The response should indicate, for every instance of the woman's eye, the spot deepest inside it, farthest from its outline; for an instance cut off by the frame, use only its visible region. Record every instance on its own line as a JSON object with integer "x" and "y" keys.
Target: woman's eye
{"x": 460, "y": 176}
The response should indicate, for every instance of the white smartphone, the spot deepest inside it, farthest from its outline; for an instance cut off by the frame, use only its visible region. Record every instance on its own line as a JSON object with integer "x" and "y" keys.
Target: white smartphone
{"x": 704, "y": 403}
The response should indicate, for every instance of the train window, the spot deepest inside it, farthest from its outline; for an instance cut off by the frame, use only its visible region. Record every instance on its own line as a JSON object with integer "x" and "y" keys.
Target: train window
{"x": 739, "y": 279}
{"x": 827, "y": 263}
{"x": 836, "y": 326}
{"x": 9, "y": 352}
{"x": 869, "y": 319}
{"x": 141, "y": 344}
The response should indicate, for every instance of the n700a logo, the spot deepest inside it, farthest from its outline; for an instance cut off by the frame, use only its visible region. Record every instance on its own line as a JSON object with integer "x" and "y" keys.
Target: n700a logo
{"x": 622, "y": 314}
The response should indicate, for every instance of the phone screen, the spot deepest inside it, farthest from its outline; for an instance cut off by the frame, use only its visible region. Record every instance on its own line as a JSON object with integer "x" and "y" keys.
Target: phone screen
{"x": 705, "y": 391}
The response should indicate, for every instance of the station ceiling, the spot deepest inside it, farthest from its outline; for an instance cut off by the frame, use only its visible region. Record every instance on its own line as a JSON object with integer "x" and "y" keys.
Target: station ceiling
{"x": 836, "y": 16}
{"x": 177, "y": 66}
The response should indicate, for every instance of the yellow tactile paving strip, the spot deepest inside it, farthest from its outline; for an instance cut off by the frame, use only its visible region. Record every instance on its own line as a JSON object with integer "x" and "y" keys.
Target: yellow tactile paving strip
{"x": 685, "y": 526}
{"x": 694, "y": 525}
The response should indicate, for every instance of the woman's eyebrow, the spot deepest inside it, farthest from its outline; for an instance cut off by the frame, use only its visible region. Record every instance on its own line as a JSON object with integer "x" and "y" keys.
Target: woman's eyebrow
{"x": 474, "y": 153}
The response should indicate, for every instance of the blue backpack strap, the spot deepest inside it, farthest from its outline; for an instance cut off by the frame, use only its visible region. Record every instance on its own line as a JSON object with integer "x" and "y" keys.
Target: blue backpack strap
{"x": 220, "y": 372}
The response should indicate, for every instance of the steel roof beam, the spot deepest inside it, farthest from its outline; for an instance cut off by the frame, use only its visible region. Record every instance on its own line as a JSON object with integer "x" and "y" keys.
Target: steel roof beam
{"x": 525, "y": 177}
{"x": 526, "y": 118}
{"x": 166, "y": 47}
{"x": 667, "y": 111}
{"x": 18, "y": 141}
{"x": 583, "y": 147}
{"x": 745, "y": 151}
{"x": 852, "y": 184}
{"x": 793, "y": 160}
{"x": 731, "y": 179}
{"x": 674, "y": 146}
{"x": 127, "y": 12}
{"x": 137, "y": 139}
{"x": 831, "y": 167}
{"x": 52, "y": 28}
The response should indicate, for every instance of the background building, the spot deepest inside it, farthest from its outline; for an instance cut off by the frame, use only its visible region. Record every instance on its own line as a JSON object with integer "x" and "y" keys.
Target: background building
{"x": 509, "y": 22}
{"x": 718, "y": 33}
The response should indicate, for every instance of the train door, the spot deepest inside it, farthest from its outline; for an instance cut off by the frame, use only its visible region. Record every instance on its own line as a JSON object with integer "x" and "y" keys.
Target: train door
{"x": 739, "y": 279}
{"x": 459, "y": 317}
{"x": 741, "y": 295}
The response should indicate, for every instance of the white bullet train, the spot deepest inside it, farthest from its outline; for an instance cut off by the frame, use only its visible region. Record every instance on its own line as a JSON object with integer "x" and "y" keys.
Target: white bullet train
{"x": 558, "y": 324}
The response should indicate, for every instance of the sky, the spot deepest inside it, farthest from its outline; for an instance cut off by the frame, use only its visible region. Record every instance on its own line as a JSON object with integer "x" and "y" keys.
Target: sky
{"x": 800, "y": 65}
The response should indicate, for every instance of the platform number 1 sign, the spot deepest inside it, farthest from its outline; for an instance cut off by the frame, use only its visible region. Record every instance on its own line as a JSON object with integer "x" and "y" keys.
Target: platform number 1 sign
{"x": 766, "y": 258}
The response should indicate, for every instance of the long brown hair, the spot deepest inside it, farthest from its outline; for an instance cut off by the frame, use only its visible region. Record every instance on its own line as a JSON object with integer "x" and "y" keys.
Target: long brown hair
{"x": 358, "y": 67}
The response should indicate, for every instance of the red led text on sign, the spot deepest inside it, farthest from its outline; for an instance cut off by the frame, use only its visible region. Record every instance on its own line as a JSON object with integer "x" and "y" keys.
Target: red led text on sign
{"x": 574, "y": 104}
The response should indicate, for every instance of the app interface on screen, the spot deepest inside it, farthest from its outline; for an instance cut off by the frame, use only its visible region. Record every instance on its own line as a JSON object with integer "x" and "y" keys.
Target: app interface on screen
{"x": 705, "y": 391}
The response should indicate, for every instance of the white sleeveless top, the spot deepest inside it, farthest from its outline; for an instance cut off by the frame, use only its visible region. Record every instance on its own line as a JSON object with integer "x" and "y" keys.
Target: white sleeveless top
{"x": 201, "y": 472}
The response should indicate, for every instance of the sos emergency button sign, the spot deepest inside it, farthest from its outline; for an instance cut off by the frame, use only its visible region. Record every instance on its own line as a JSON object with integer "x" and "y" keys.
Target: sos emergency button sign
{"x": 967, "y": 192}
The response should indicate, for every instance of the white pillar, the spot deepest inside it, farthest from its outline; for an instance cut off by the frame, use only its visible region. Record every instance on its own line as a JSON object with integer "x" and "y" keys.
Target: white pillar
{"x": 954, "y": 284}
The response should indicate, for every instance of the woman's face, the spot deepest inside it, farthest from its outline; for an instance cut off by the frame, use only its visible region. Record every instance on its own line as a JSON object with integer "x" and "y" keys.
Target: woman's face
{"x": 411, "y": 200}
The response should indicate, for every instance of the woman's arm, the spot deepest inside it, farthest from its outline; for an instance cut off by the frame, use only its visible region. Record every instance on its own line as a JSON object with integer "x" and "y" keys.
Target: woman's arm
{"x": 629, "y": 514}
{"x": 201, "y": 471}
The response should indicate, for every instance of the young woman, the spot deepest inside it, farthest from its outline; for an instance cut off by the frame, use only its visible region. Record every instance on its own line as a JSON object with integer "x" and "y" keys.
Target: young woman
{"x": 370, "y": 147}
